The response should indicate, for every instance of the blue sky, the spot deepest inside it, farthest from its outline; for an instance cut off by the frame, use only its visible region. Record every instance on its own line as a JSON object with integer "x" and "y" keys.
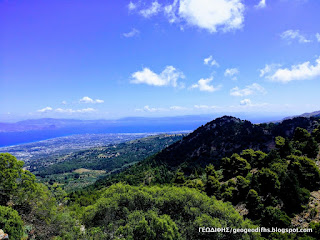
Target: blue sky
{"x": 113, "y": 59}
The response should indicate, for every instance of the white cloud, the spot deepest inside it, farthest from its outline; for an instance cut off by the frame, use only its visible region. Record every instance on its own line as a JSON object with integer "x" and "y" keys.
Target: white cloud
{"x": 169, "y": 11}
{"x": 132, "y": 6}
{"x": 207, "y": 60}
{"x": 301, "y": 71}
{"x": 290, "y": 35}
{"x": 204, "y": 85}
{"x": 69, "y": 110}
{"x": 46, "y": 109}
{"x": 154, "y": 9}
{"x": 86, "y": 100}
{"x": 268, "y": 69}
{"x": 132, "y": 33}
{"x": 245, "y": 102}
{"x": 231, "y": 72}
{"x": 210, "y": 61}
{"x": 169, "y": 76}
{"x": 318, "y": 37}
{"x": 147, "y": 108}
{"x": 248, "y": 90}
{"x": 90, "y": 100}
{"x": 178, "y": 108}
{"x": 205, "y": 107}
{"x": 211, "y": 15}
{"x": 261, "y": 4}
{"x": 64, "y": 102}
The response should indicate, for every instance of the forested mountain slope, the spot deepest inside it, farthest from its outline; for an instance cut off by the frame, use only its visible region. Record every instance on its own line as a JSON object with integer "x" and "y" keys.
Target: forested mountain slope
{"x": 208, "y": 144}
{"x": 226, "y": 135}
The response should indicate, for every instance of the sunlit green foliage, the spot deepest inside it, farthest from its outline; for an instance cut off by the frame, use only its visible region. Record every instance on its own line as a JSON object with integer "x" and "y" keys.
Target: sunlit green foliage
{"x": 235, "y": 165}
{"x": 306, "y": 170}
{"x": 159, "y": 212}
{"x": 11, "y": 223}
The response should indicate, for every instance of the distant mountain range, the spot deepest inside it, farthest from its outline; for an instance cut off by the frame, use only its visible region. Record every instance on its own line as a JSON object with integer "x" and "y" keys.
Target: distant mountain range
{"x": 307, "y": 115}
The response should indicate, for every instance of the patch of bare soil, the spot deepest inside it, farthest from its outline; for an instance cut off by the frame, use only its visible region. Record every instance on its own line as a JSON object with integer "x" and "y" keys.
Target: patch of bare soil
{"x": 311, "y": 214}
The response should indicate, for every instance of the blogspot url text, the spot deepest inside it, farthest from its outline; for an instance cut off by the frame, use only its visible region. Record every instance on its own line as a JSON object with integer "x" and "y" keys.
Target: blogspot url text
{"x": 254, "y": 230}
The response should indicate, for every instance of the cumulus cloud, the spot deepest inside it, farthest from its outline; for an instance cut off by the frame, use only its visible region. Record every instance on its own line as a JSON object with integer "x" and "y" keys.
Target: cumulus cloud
{"x": 154, "y": 9}
{"x": 261, "y": 4}
{"x": 254, "y": 88}
{"x": 169, "y": 76}
{"x": 318, "y": 37}
{"x": 132, "y": 33}
{"x": 46, "y": 109}
{"x": 206, "y": 107}
{"x": 204, "y": 85}
{"x": 291, "y": 35}
{"x": 211, "y": 15}
{"x": 132, "y": 6}
{"x": 147, "y": 108}
{"x": 90, "y": 100}
{"x": 268, "y": 69}
{"x": 178, "y": 108}
{"x": 231, "y": 72}
{"x": 69, "y": 110}
{"x": 210, "y": 61}
{"x": 170, "y": 11}
{"x": 301, "y": 71}
{"x": 64, "y": 102}
{"x": 245, "y": 102}
{"x": 66, "y": 110}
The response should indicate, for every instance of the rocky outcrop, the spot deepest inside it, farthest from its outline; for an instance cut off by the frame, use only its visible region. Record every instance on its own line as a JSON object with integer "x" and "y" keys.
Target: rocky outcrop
{"x": 3, "y": 235}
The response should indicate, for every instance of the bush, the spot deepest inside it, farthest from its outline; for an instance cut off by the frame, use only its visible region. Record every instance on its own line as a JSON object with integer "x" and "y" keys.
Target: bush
{"x": 11, "y": 223}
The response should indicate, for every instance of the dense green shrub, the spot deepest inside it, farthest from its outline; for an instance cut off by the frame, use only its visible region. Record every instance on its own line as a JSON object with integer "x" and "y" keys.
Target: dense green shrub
{"x": 11, "y": 223}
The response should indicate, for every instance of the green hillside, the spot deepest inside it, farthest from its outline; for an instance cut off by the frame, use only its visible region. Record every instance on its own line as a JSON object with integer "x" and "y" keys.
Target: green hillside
{"x": 82, "y": 168}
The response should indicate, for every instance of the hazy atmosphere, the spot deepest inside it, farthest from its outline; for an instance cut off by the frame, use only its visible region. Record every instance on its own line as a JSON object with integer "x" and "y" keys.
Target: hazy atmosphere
{"x": 114, "y": 59}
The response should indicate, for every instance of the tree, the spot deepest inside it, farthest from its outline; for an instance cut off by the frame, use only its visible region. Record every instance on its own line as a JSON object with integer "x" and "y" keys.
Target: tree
{"x": 301, "y": 135}
{"x": 235, "y": 165}
{"x": 275, "y": 217}
{"x": 212, "y": 186}
{"x": 315, "y": 229}
{"x": 11, "y": 223}
{"x": 179, "y": 178}
{"x": 249, "y": 155}
{"x": 10, "y": 175}
{"x": 306, "y": 170}
{"x": 304, "y": 142}
{"x": 165, "y": 212}
{"x": 210, "y": 171}
{"x": 284, "y": 146}
{"x": 268, "y": 181}
{"x": 316, "y": 134}
{"x": 311, "y": 148}
{"x": 242, "y": 186}
{"x": 253, "y": 204}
